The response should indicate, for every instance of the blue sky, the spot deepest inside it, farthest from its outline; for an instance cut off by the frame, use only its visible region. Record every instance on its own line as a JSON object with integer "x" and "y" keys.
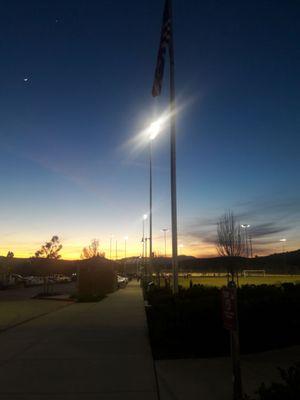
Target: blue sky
{"x": 66, "y": 160}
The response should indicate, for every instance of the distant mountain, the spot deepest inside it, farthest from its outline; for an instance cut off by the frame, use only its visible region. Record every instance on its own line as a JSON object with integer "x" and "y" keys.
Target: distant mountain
{"x": 285, "y": 263}
{"x": 280, "y": 263}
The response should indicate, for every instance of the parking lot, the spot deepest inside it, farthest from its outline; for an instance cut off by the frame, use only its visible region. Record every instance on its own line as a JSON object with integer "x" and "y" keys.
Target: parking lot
{"x": 25, "y": 293}
{"x": 18, "y": 305}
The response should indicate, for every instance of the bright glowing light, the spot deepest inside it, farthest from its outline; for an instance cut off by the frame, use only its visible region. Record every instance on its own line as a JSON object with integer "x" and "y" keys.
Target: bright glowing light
{"x": 157, "y": 126}
{"x": 154, "y": 129}
{"x": 145, "y": 216}
{"x": 282, "y": 240}
{"x": 245, "y": 226}
{"x": 125, "y": 237}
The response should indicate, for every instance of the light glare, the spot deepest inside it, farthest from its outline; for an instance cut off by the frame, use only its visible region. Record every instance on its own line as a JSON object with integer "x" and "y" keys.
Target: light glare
{"x": 154, "y": 129}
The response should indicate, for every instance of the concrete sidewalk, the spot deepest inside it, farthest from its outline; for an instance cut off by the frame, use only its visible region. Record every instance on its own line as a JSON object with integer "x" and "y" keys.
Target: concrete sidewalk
{"x": 193, "y": 379}
{"x": 83, "y": 351}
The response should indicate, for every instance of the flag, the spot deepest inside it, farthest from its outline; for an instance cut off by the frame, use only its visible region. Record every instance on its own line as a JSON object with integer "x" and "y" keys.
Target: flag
{"x": 165, "y": 40}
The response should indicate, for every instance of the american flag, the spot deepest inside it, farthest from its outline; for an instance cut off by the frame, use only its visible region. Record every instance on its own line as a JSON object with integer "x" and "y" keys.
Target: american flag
{"x": 165, "y": 40}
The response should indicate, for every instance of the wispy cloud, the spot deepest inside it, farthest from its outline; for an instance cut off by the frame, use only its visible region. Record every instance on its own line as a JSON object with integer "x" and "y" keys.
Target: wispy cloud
{"x": 269, "y": 219}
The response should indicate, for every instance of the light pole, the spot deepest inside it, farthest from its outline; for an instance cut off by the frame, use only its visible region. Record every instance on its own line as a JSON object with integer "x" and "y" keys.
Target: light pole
{"x": 116, "y": 249}
{"x": 110, "y": 245}
{"x": 146, "y": 250}
{"x": 165, "y": 230}
{"x": 283, "y": 240}
{"x": 153, "y": 130}
{"x": 246, "y": 227}
{"x": 125, "y": 245}
{"x": 251, "y": 248}
{"x": 180, "y": 247}
{"x": 145, "y": 216}
{"x": 125, "y": 252}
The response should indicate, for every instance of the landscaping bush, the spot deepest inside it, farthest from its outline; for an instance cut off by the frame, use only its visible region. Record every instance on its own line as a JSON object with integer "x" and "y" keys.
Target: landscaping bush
{"x": 96, "y": 277}
{"x": 190, "y": 323}
{"x": 289, "y": 389}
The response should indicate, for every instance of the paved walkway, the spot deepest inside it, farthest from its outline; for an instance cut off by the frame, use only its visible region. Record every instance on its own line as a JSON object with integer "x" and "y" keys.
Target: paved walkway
{"x": 81, "y": 352}
{"x": 194, "y": 379}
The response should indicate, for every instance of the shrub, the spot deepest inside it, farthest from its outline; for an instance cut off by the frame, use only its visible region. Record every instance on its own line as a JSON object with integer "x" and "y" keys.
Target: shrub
{"x": 190, "y": 323}
{"x": 289, "y": 389}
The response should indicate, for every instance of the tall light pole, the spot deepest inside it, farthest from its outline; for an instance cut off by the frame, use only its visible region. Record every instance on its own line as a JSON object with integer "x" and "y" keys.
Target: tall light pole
{"x": 165, "y": 230}
{"x": 180, "y": 247}
{"x": 246, "y": 227}
{"x": 116, "y": 249}
{"x": 146, "y": 251}
{"x": 154, "y": 130}
{"x": 125, "y": 246}
{"x": 110, "y": 245}
{"x": 283, "y": 240}
{"x": 251, "y": 248}
{"x": 145, "y": 216}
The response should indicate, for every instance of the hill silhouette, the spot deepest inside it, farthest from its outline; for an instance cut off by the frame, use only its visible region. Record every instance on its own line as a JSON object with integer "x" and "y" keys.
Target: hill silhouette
{"x": 278, "y": 263}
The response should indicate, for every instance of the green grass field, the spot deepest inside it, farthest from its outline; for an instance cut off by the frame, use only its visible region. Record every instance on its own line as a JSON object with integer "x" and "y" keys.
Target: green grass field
{"x": 249, "y": 280}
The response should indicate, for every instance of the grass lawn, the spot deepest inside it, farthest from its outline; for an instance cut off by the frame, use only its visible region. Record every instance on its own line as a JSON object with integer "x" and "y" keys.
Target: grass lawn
{"x": 249, "y": 280}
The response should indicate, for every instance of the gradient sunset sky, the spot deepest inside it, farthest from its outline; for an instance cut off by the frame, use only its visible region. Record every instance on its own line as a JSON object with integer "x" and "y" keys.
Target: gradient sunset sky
{"x": 76, "y": 80}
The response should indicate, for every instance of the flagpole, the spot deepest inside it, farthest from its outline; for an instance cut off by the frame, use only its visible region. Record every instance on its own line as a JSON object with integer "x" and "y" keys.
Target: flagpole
{"x": 173, "y": 160}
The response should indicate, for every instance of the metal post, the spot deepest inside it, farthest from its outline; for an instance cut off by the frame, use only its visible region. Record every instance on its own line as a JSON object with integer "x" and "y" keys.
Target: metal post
{"x": 173, "y": 159}
{"x": 110, "y": 244}
{"x": 146, "y": 248}
{"x": 251, "y": 249}
{"x": 116, "y": 249}
{"x": 247, "y": 242}
{"x": 125, "y": 251}
{"x": 150, "y": 204}
{"x": 146, "y": 257}
{"x": 235, "y": 349}
{"x": 143, "y": 252}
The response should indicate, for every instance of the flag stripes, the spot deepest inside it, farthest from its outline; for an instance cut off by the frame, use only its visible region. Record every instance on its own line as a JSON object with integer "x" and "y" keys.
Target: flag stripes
{"x": 165, "y": 39}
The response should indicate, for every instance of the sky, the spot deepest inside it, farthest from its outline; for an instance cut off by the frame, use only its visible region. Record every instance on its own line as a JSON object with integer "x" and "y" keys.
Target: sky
{"x": 76, "y": 79}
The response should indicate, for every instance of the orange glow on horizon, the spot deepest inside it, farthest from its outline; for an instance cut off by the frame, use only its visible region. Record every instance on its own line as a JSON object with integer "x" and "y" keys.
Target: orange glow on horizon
{"x": 72, "y": 250}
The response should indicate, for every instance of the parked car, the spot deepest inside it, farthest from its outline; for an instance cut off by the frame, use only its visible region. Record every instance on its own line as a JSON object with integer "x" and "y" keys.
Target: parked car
{"x": 122, "y": 281}
{"x": 8, "y": 280}
{"x": 33, "y": 280}
{"x": 59, "y": 278}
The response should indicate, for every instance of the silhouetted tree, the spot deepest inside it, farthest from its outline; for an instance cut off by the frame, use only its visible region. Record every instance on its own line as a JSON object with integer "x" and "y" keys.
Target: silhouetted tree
{"x": 10, "y": 254}
{"x": 93, "y": 250}
{"x": 230, "y": 243}
{"x": 50, "y": 249}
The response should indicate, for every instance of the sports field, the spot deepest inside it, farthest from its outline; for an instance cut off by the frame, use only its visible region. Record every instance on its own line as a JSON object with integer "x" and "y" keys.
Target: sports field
{"x": 249, "y": 280}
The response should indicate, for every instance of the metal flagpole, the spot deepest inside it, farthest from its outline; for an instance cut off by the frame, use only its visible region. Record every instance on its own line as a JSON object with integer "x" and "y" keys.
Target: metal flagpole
{"x": 143, "y": 239}
{"x": 173, "y": 159}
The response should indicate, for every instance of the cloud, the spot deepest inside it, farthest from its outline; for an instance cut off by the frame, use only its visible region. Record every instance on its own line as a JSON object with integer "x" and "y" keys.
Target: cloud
{"x": 269, "y": 220}
{"x": 267, "y": 229}
{"x": 279, "y": 208}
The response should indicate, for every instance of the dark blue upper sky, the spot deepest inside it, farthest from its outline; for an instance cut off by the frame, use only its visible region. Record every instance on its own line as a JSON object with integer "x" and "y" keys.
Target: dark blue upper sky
{"x": 65, "y": 164}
